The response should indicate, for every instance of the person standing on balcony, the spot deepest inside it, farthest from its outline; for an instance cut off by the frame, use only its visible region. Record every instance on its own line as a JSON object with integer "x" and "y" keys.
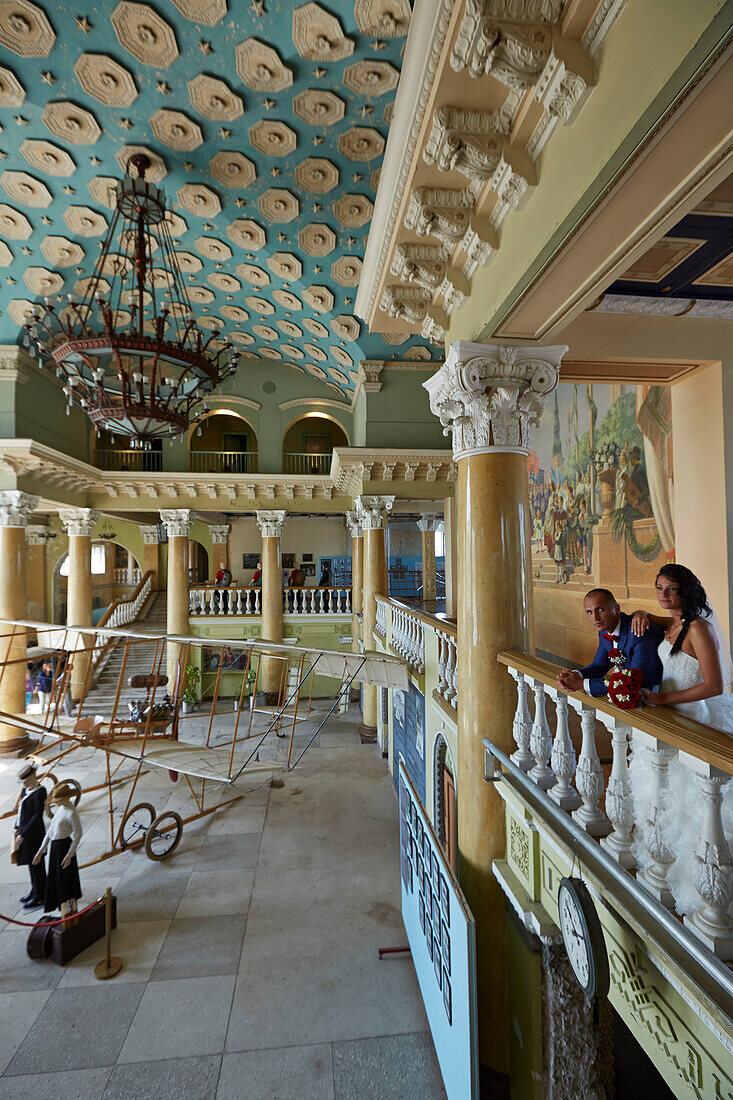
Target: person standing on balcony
{"x": 223, "y": 579}
{"x": 257, "y": 576}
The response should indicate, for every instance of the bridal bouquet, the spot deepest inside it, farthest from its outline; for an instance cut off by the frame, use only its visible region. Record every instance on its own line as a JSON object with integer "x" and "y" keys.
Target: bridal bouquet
{"x": 624, "y": 684}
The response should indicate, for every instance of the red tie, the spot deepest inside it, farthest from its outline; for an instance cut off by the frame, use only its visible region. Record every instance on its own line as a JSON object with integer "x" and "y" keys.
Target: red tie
{"x": 609, "y": 637}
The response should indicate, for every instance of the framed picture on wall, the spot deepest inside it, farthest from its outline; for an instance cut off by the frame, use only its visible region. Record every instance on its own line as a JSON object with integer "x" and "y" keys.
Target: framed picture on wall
{"x": 288, "y": 561}
{"x": 307, "y": 557}
{"x": 309, "y": 568}
{"x": 249, "y": 561}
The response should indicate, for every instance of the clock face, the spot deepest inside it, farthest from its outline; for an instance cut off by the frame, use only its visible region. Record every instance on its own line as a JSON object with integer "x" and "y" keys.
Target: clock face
{"x": 575, "y": 935}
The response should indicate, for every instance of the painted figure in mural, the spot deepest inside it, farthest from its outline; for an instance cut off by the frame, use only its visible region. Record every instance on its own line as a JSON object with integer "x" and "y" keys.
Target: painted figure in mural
{"x": 584, "y": 533}
{"x": 696, "y": 680}
{"x": 636, "y": 485}
{"x": 63, "y": 888}
{"x": 29, "y": 832}
{"x": 614, "y": 631}
{"x": 558, "y": 556}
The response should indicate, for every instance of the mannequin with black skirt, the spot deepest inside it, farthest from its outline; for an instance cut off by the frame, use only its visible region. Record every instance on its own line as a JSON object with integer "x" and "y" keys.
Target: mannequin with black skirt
{"x": 29, "y": 833}
{"x": 63, "y": 888}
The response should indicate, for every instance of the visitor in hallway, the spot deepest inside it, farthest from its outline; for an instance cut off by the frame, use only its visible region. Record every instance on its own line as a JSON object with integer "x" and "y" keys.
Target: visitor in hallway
{"x": 44, "y": 685}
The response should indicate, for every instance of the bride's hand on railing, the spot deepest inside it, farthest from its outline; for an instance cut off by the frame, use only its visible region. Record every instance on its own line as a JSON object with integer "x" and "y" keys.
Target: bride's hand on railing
{"x": 652, "y": 698}
{"x": 639, "y": 623}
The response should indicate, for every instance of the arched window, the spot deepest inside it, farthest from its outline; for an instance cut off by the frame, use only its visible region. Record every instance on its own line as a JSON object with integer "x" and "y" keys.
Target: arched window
{"x": 444, "y": 798}
{"x": 98, "y": 561}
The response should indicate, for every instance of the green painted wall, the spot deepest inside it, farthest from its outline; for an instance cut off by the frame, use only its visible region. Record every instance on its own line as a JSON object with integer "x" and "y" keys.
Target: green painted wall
{"x": 399, "y": 415}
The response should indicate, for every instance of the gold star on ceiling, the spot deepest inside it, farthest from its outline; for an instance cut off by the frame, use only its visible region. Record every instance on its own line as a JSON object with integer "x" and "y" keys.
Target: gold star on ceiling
{"x": 318, "y": 73}
{"x": 240, "y": 201}
{"x": 356, "y": 177}
{"x": 318, "y": 139}
{"x": 316, "y": 207}
{"x": 46, "y": 220}
{"x": 188, "y": 166}
{"x": 275, "y": 171}
{"x": 27, "y": 251}
{"x": 224, "y": 133}
{"x": 48, "y": 78}
{"x": 83, "y": 24}
{"x": 10, "y": 280}
{"x": 348, "y": 301}
{"x": 317, "y": 269}
{"x": 258, "y": 8}
{"x": 20, "y": 121}
{"x": 78, "y": 270}
{"x": 3, "y": 154}
{"x": 95, "y": 162}
{"x": 208, "y": 226}
{"x": 378, "y": 44}
{"x": 268, "y": 104}
{"x": 282, "y": 237}
{"x": 162, "y": 87}
{"x": 69, "y": 190}
{"x": 126, "y": 123}
{"x": 366, "y": 110}
{"x": 206, "y": 48}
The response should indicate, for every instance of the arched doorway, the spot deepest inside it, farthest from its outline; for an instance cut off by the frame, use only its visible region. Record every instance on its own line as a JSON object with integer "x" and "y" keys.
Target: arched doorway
{"x": 309, "y": 442}
{"x": 223, "y": 443}
{"x": 444, "y": 799}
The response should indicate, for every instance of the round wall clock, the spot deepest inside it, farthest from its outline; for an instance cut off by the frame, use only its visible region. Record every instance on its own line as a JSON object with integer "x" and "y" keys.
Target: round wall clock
{"x": 583, "y": 937}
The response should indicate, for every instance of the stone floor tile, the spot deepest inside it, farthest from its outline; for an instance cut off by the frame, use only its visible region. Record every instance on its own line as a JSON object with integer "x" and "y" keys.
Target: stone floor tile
{"x": 78, "y": 1031}
{"x": 215, "y": 893}
{"x": 137, "y": 944}
{"x": 170, "y": 1079}
{"x": 75, "y": 1084}
{"x": 143, "y": 896}
{"x": 391, "y": 1067}
{"x": 200, "y": 946}
{"x": 179, "y": 1019}
{"x": 18, "y": 1013}
{"x": 229, "y": 853}
{"x": 17, "y": 971}
{"x": 281, "y": 1074}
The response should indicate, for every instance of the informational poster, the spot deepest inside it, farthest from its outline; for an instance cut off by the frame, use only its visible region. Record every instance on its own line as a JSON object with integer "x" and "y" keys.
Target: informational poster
{"x": 442, "y": 938}
{"x": 408, "y": 733}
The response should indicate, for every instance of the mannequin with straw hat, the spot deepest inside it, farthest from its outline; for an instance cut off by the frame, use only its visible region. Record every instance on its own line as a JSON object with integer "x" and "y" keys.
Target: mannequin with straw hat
{"x": 29, "y": 831}
{"x": 63, "y": 888}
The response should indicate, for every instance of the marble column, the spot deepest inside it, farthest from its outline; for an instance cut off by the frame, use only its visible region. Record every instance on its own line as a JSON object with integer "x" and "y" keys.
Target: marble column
{"x": 220, "y": 533}
{"x": 178, "y": 523}
{"x": 487, "y": 396}
{"x": 79, "y": 524}
{"x": 451, "y": 559}
{"x": 271, "y": 525}
{"x": 357, "y": 573}
{"x": 15, "y": 508}
{"x": 372, "y": 513}
{"x": 427, "y": 527}
{"x": 150, "y": 563}
{"x": 37, "y": 536}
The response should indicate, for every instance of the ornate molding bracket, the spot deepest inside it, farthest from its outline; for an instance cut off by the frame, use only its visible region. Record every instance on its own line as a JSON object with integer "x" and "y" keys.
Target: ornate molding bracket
{"x": 489, "y": 396}
{"x": 149, "y": 532}
{"x": 372, "y": 512}
{"x": 220, "y": 533}
{"x": 177, "y": 521}
{"x": 271, "y": 523}
{"x": 369, "y": 371}
{"x": 37, "y": 534}
{"x": 79, "y": 522}
{"x": 430, "y": 521}
{"x": 16, "y": 508}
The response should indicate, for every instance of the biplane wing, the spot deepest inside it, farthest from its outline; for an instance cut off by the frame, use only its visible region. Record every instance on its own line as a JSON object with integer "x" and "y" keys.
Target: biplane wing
{"x": 198, "y": 761}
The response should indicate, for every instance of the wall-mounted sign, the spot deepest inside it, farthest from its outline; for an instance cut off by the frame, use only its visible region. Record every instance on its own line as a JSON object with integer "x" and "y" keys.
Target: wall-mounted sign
{"x": 442, "y": 938}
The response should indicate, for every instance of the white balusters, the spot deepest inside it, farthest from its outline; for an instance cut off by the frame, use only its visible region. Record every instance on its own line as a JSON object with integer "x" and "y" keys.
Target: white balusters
{"x": 619, "y": 803}
{"x": 562, "y": 757}
{"x": 522, "y": 726}
{"x": 589, "y": 778}
{"x": 540, "y": 741}
{"x": 712, "y": 872}
{"x": 654, "y": 877}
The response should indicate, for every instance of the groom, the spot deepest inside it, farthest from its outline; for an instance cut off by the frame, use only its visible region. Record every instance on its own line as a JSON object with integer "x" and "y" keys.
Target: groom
{"x": 614, "y": 631}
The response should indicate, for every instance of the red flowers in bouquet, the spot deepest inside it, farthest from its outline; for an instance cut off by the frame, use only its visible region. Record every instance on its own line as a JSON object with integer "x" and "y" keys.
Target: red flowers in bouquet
{"x": 624, "y": 687}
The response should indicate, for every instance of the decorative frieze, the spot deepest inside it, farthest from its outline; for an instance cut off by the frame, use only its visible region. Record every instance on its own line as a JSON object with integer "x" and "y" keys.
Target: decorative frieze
{"x": 372, "y": 512}
{"x": 271, "y": 523}
{"x": 177, "y": 521}
{"x": 16, "y": 508}
{"x": 37, "y": 534}
{"x": 150, "y": 534}
{"x": 78, "y": 522}
{"x": 220, "y": 533}
{"x": 409, "y": 304}
{"x": 488, "y": 396}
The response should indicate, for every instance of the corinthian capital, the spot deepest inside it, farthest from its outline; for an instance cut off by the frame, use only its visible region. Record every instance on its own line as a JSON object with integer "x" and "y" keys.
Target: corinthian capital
{"x": 78, "y": 521}
{"x": 37, "y": 534}
{"x": 149, "y": 532}
{"x": 352, "y": 523}
{"x": 271, "y": 523}
{"x": 177, "y": 521}
{"x": 489, "y": 396}
{"x": 220, "y": 533}
{"x": 372, "y": 512}
{"x": 16, "y": 508}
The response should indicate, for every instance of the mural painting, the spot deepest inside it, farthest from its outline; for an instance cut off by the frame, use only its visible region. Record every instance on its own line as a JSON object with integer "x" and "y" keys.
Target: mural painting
{"x": 601, "y": 497}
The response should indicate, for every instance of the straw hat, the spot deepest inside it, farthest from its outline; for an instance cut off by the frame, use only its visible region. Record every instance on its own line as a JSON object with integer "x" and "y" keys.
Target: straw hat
{"x": 62, "y": 790}
{"x": 26, "y": 769}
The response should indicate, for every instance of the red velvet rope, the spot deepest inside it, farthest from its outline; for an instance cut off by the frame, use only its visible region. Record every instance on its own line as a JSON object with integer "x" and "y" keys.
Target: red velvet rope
{"x": 51, "y": 923}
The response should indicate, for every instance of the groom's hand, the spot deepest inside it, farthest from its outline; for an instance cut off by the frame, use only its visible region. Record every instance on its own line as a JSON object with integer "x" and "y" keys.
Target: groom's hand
{"x": 570, "y": 681}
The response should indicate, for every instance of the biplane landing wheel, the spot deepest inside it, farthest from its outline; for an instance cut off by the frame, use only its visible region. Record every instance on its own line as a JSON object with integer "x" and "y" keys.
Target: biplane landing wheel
{"x": 75, "y": 785}
{"x": 164, "y": 835}
{"x": 135, "y": 824}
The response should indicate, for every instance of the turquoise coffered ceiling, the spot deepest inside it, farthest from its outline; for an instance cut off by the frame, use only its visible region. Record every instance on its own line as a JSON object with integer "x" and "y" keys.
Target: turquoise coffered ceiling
{"x": 266, "y": 123}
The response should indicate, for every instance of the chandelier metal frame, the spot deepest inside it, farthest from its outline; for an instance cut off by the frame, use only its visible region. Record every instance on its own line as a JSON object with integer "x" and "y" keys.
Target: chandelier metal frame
{"x": 129, "y": 351}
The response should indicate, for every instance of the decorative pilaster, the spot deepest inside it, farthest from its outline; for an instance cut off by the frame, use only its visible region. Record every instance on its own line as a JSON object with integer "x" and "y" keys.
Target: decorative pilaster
{"x": 36, "y": 538}
{"x": 79, "y": 524}
{"x": 271, "y": 525}
{"x": 220, "y": 533}
{"x": 372, "y": 513}
{"x": 15, "y": 510}
{"x": 37, "y": 534}
{"x": 427, "y": 526}
{"x": 178, "y": 523}
{"x": 357, "y": 576}
{"x": 150, "y": 563}
{"x": 487, "y": 398}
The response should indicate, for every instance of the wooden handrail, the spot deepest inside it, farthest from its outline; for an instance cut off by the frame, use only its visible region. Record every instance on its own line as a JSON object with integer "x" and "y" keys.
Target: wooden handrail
{"x": 436, "y": 620}
{"x": 127, "y": 599}
{"x": 703, "y": 742}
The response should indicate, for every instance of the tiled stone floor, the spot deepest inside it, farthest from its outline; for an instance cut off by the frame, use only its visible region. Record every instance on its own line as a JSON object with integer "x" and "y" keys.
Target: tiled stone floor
{"x": 250, "y": 956}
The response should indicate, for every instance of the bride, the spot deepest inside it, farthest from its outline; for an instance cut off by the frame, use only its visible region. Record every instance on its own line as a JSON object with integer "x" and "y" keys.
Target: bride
{"x": 695, "y": 681}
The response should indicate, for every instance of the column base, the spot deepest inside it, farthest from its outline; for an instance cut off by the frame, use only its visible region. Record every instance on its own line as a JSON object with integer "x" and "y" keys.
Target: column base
{"x": 620, "y": 851}
{"x": 720, "y": 942}
{"x": 18, "y": 746}
{"x": 367, "y": 734}
{"x": 657, "y": 886}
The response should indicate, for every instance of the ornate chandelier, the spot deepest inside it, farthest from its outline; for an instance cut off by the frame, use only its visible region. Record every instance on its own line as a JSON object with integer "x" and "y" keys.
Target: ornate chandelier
{"x": 129, "y": 352}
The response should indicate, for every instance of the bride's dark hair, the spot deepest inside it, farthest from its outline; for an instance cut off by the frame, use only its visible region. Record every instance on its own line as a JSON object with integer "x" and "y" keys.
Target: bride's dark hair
{"x": 692, "y": 597}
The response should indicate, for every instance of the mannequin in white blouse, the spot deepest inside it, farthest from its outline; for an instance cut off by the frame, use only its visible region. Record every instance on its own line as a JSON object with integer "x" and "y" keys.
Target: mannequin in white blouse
{"x": 62, "y": 836}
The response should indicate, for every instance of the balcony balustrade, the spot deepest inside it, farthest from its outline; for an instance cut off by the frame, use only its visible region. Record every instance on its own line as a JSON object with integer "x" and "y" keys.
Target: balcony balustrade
{"x": 207, "y": 600}
{"x": 135, "y": 461}
{"x": 222, "y": 462}
{"x": 299, "y": 463}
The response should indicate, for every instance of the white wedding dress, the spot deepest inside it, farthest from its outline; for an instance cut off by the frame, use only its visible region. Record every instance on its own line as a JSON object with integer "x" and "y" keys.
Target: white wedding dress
{"x": 682, "y": 811}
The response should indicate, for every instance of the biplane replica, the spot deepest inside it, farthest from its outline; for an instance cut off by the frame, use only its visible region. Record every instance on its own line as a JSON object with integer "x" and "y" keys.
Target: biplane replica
{"x": 225, "y": 740}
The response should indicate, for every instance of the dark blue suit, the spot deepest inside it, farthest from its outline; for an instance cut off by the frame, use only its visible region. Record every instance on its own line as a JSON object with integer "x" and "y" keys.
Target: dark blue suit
{"x": 640, "y": 653}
